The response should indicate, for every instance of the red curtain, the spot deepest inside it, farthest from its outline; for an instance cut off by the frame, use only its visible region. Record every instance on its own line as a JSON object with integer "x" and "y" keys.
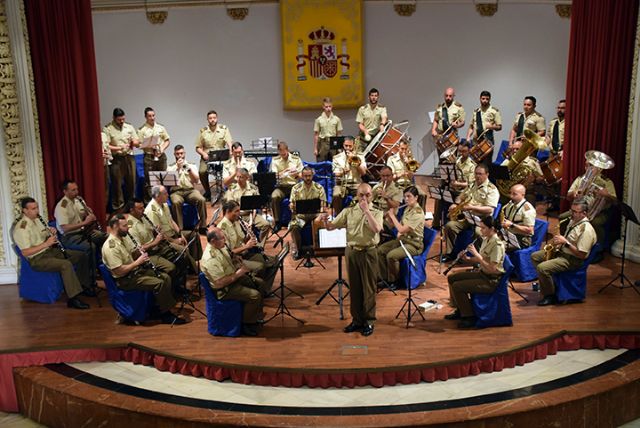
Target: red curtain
{"x": 598, "y": 82}
{"x": 61, "y": 38}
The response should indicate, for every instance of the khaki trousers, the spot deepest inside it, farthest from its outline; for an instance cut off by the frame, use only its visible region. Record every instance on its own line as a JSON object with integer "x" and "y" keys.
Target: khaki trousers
{"x": 362, "y": 268}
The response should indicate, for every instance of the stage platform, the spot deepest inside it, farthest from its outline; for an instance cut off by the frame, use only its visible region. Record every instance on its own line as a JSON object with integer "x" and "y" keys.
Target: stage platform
{"x": 318, "y": 354}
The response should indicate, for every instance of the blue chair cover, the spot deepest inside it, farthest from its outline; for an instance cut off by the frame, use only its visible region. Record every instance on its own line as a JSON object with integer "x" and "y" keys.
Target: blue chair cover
{"x": 542, "y": 155}
{"x": 323, "y": 175}
{"x": 189, "y": 215}
{"x": 500, "y": 157}
{"x": 132, "y": 305}
{"x": 264, "y": 165}
{"x": 139, "y": 191}
{"x": 465, "y": 237}
{"x": 42, "y": 287}
{"x": 224, "y": 317}
{"x": 572, "y": 285}
{"x": 410, "y": 277}
{"x": 524, "y": 269}
{"x": 494, "y": 309}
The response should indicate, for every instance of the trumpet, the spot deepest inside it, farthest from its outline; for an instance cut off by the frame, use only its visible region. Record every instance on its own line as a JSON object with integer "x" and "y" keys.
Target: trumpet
{"x": 58, "y": 243}
{"x": 354, "y": 161}
{"x": 148, "y": 264}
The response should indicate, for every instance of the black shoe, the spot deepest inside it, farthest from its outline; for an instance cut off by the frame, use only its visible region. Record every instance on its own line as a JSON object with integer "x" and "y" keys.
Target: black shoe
{"x": 76, "y": 303}
{"x": 535, "y": 286}
{"x": 202, "y": 230}
{"x": 295, "y": 256}
{"x": 367, "y": 330}
{"x": 169, "y": 318}
{"x": 446, "y": 258}
{"x": 207, "y": 196}
{"x": 89, "y": 292}
{"x": 467, "y": 322}
{"x": 455, "y": 315}
{"x": 353, "y": 327}
{"x": 249, "y": 330}
{"x": 548, "y": 300}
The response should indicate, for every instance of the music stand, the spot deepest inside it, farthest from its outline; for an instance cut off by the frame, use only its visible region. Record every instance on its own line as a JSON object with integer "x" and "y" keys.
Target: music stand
{"x": 214, "y": 167}
{"x": 409, "y": 303}
{"x": 443, "y": 195}
{"x": 308, "y": 207}
{"x": 628, "y": 214}
{"x": 163, "y": 178}
{"x": 335, "y": 143}
{"x": 282, "y": 307}
{"x": 338, "y": 251}
{"x": 186, "y": 293}
{"x": 499, "y": 172}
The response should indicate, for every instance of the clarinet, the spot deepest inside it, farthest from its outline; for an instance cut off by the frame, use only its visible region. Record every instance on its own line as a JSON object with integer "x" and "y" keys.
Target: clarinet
{"x": 89, "y": 211}
{"x": 148, "y": 264}
{"x": 58, "y": 243}
{"x": 459, "y": 257}
{"x": 246, "y": 228}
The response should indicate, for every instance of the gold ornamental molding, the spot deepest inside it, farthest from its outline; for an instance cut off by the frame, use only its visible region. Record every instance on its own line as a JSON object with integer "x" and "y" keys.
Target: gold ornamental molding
{"x": 405, "y": 9}
{"x": 486, "y": 9}
{"x": 237, "y": 13}
{"x": 157, "y": 17}
{"x": 563, "y": 10}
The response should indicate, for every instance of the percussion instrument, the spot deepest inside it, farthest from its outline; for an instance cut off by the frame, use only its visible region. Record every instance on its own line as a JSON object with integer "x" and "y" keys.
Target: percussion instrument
{"x": 449, "y": 155}
{"x": 384, "y": 145}
{"x": 447, "y": 140}
{"x": 552, "y": 169}
{"x": 481, "y": 150}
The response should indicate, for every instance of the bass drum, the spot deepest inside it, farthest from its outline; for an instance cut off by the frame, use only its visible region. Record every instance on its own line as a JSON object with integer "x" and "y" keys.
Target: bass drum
{"x": 388, "y": 145}
{"x": 552, "y": 170}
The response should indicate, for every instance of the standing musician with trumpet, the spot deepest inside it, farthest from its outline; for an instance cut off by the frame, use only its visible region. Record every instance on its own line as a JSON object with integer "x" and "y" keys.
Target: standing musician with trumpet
{"x": 123, "y": 138}
{"x": 39, "y": 244}
{"x": 214, "y": 136}
{"x": 485, "y": 280}
{"x": 348, "y": 168}
{"x": 236, "y": 161}
{"x": 154, "y": 158}
{"x": 486, "y": 119}
{"x": 371, "y": 120}
{"x": 244, "y": 187}
{"x": 528, "y": 118}
{"x": 287, "y": 167}
{"x": 185, "y": 191}
{"x": 480, "y": 199}
{"x": 386, "y": 195}
{"x": 449, "y": 116}
{"x": 78, "y": 225}
{"x": 130, "y": 274}
{"x": 567, "y": 253}
{"x": 403, "y": 165}
{"x": 305, "y": 190}
{"x": 243, "y": 243}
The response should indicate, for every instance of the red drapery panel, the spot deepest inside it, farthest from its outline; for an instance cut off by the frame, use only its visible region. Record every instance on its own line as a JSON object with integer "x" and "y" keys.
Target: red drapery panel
{"x": 64, "y": 68}
{"x": 598, "y": 82}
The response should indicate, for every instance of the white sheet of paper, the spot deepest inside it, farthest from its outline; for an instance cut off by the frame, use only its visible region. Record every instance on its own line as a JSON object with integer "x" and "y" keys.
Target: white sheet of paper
{"x": 432, "y": 115}
{"x": 150, "y": 142}
{"x": 336, "y": 238}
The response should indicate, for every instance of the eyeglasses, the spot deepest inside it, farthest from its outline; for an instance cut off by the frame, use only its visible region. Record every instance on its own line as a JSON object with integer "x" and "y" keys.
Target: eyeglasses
{"x": 576, "y": 212}
{"x": 364, "y": 194}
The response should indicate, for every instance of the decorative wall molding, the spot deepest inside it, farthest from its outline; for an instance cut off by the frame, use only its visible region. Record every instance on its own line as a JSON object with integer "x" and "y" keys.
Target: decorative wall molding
{"x": 405, "y": 9}
{"x": 238, "y": 13}
{"x": 157, "y": 17}
{"x": 563, "y": 10}
{"x": 486, "y": 9}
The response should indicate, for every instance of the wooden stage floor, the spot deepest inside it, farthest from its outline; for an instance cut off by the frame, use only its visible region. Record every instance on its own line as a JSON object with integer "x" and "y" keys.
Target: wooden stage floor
{"x": 320, "y": 342}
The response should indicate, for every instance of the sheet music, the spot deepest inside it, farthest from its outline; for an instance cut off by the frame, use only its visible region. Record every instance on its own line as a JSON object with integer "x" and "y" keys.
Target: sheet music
{"x": 471, "y": 218}
{"x": 336, "y": 238}
{"x": 432, "y": 115}
{"x": 510, "y": 239}
{"x": 150, "y": 142}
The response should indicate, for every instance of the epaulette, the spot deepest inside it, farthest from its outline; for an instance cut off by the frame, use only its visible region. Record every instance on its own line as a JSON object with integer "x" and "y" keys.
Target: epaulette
{"x": 381, "y": 106}
{"x": 457, "y": 104}
{"x": 476, "y": 110}
{"x": 130, "y": 223}
{"x": 155, "y": 208}
{"x": 495, "y": 108}
{"x": 222, "y": 126}
{"x": 112, "y": 243}
{"x": 317, "y": 185}
{"x": 526, "y": 207}
{"x": 23, "y": 225}
{"x": 64, "y": 203}
{"x": 439, "y": 105}
{"x": 204, "y": 129}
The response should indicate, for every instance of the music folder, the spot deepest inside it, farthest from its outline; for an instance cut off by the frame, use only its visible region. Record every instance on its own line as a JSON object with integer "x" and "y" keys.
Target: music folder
{"x": 336, "y": 238}
{"x": 266, "y": 182}
{"x": 308, "y": 206}
{"x": 218, "y": 155}
{"x": 335, "y": 143}
{"x": 252, "y": 202}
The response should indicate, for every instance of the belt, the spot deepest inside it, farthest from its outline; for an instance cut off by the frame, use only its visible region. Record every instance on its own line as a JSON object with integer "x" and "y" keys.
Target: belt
{"x": 121, "y": 156}
{"x": 361, "y": 248}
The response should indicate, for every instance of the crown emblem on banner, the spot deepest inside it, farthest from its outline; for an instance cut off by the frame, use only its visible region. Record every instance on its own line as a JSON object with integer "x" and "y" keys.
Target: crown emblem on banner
{"x": 322, "y": 35}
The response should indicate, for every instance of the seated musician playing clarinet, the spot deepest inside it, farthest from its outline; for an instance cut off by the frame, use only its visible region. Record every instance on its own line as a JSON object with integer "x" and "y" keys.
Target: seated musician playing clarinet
{"x": 410, "y": 233}
{"x": 305, "y": 190}
{"x": 348, "y": 169}
{"x": 463, "y": 284}
{"x": 519, "y": 217}
{"x": 480, "y": 199}
{"x": 566, "y": 252}
{"x": 244, "y": 187}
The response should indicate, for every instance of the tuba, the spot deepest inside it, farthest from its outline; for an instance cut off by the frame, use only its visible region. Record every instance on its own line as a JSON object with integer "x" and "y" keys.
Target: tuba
{"x": 519, "y": 174}
{"x": 598, "y": 162}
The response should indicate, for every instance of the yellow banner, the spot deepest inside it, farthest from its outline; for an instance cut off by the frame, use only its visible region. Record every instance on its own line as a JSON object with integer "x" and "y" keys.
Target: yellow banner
{"x": 322, "y": 53}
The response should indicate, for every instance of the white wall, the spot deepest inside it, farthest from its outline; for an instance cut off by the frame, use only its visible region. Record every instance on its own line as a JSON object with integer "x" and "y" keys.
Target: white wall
{"x": 201, "y": 59}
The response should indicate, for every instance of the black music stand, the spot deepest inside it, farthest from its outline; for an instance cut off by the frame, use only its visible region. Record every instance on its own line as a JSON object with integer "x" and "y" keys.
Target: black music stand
{"x": 499, "y": 172}
{"x": 339, "y": 282}
{"x": 628, "y": 214}
{"x": 336, "y": 143}
{"x": 409, "y": 303}
{"x": 308, "y": 207}
{"x": 185, "y": 292}
{"x": 214, "y": 167}
{"x": 282, "y": 306}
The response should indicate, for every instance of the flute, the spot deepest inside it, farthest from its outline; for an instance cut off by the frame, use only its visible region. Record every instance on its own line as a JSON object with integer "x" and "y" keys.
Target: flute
{"x": 58, "y": 243}
{"x": 459, "y": 257}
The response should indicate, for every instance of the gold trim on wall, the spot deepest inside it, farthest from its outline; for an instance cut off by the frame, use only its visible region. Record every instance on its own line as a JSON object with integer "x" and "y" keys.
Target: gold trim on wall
{"x": 563, "y": 10}
{"x": 486, "y": 9}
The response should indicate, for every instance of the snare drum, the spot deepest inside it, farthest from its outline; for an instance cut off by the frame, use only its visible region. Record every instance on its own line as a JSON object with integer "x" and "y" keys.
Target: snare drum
{"x": 552, "y": 170}
{"x": 481, "y": 150}
{"x": 446, "y": 141}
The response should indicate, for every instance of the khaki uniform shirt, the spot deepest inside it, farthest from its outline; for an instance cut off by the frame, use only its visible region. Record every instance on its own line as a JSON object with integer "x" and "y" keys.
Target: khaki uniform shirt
{"x": 358, "y": 232}
{"x": 301, "y": 192}
{"x": 340, "y": 163}
{"x": 121, "y": 137}
{"x": 552, "y": 124}
{"x": 601, "y": 181}
{"x": 160, "y": 216}
{"x": 485, "y": 194}
{"x": 278, "y": 165}
{"x": 522, "y": 214}
{"x": 184, "y": 178}
{"x": 327, "y": 126}
{"x": 117, "y": 252}
{"x": 147, "y": 132}
{"x": 218, "y": 264}
{"x": 414, "y": 218}
{"x": 393, "y": 191}
{"x": 490, "y": 116}
{"x": 235, "y": 192}
{"x": 493, "y": 250}
{"x": 218, "y": 139}
{"x": 233, "y": 232}
{"x": 582, "y": 235}
{"x": 371, "y": 118}
{"x": 455, "y": 111}
{"x": 534, "y": 122}
{"x": 69, "y": 211}
{"x": 207, "y": 253}
{"x": 466, "y": 170}
{"x": 29, "y": 233}
{"x": 229, "y": 166}
{"x": 141, "y": 230}
{"x": 398, "y": 167}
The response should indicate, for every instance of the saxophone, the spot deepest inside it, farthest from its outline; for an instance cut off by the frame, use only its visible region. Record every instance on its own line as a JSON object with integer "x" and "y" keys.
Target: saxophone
{"x": 550, "y": 250}
{"x": 465, "y": 199}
